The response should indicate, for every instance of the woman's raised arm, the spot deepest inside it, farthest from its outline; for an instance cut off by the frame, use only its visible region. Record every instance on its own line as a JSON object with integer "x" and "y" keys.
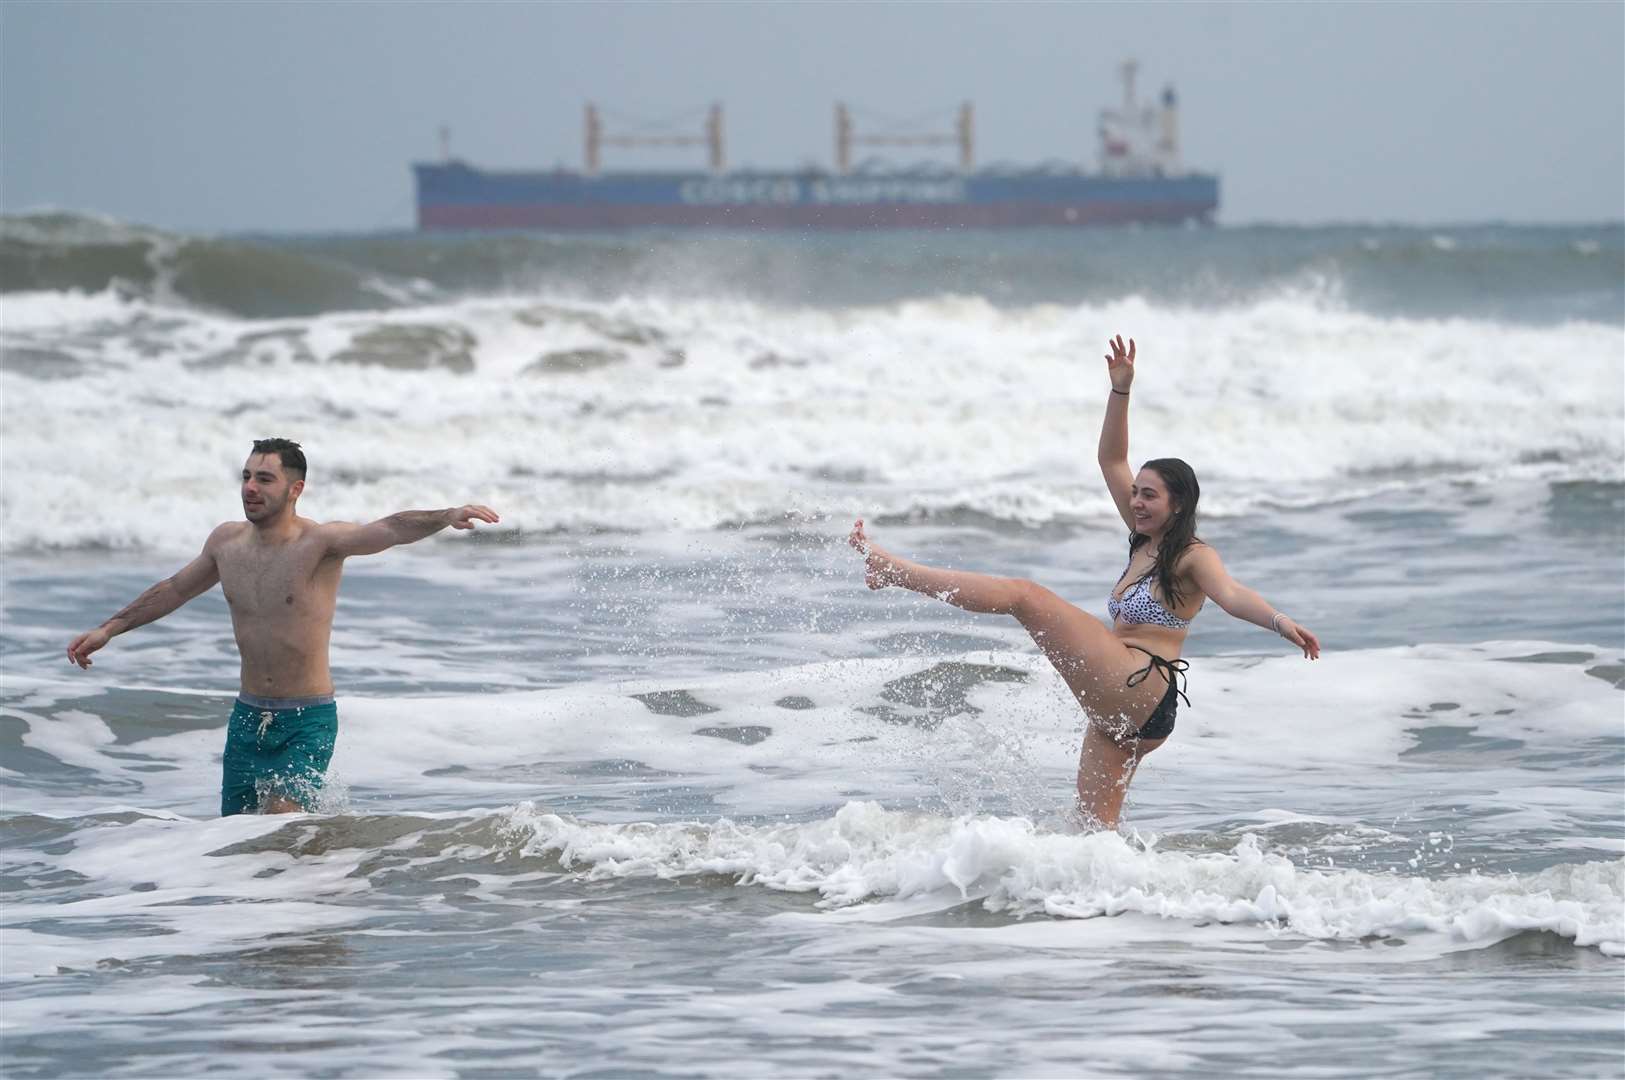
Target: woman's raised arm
{"x": 1114, "y": 429}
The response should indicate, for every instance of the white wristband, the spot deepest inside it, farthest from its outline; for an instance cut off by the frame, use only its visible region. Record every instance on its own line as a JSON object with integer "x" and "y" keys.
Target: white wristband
{"x": 1275, "y": 621}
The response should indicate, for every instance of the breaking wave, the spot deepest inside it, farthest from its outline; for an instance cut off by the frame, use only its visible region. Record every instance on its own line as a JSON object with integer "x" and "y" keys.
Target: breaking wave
{"x": 1539, "y": 275}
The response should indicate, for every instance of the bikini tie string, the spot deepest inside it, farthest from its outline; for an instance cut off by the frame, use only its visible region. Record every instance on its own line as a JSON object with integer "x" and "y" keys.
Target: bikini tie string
{"x": 1168, "y": 669}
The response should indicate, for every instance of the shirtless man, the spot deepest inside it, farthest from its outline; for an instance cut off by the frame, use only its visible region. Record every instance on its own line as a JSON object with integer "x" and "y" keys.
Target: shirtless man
{"x": 280, "y": 573}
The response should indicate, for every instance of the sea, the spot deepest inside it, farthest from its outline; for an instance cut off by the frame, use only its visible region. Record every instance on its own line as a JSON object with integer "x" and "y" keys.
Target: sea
{"x": 645, "y": 782}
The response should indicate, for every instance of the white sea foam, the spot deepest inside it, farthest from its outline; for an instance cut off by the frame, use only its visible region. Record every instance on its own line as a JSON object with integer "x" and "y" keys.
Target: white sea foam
{"x": 67, "y": 312}
{"x": 1291, "y": 829}
{"x": 650, "y": 414}
{"x": 865, "y": 852}
{"x": 148, "y": 875}
{"x": 1330, "y": 757}
{"x": 915, "y": 895}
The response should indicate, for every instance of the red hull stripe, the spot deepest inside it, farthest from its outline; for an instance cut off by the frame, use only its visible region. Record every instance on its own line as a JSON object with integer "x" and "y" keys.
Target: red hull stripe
{"x": 901, "y": 216}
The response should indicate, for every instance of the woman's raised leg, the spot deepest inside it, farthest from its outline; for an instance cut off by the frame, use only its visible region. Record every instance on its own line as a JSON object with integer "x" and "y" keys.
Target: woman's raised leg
{"x": 961, "y": 588}
{"x": 1093, "y": 663}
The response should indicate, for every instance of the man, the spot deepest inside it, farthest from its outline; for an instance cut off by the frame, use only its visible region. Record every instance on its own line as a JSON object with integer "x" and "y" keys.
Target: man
{"x": 280, "y": 573}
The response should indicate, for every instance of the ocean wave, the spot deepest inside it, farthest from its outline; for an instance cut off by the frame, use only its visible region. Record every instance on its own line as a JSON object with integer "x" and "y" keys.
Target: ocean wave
{"x": 1539, "y": 275}
{"x": 988, "y": 730}
{"x": 866, "y": 853}
{"x": 77, "y": 254}
{"x": 1423, "y": 798}
{"x": 650, "y": 414}
{"x": 330, "y": 871}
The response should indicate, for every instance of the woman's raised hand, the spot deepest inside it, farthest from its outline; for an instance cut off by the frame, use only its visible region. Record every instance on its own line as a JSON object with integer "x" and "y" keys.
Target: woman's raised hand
{"x": 1120, "y": 364}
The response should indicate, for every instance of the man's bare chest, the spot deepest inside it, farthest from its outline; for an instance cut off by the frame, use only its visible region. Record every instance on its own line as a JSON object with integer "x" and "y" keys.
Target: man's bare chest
{"x": 268, "y": 582}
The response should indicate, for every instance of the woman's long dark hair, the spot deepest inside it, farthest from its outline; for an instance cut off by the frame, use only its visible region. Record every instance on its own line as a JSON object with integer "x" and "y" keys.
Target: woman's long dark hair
{"x": 1183, "y": 491}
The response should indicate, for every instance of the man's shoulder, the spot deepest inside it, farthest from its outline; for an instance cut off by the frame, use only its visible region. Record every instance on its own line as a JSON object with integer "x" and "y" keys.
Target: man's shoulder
{"x": 323, "y": 535}
{"x": 226, "y": 532}
{"x": 323, "y": 532}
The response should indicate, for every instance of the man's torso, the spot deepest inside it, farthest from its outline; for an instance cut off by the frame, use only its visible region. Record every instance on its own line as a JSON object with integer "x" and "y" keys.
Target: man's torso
{"x": 281, "y": 597}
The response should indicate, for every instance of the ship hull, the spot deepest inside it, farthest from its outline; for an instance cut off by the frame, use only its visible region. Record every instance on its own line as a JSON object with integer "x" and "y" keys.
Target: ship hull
{"x": 455, "y": 196}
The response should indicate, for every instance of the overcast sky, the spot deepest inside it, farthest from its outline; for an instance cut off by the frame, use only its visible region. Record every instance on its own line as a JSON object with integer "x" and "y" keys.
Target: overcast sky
{"x": 304, "y": 116}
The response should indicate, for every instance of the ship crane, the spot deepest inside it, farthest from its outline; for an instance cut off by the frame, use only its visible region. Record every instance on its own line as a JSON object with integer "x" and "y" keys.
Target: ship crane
{"x": 710, "y": 138}
{"x": 963, "y": 135}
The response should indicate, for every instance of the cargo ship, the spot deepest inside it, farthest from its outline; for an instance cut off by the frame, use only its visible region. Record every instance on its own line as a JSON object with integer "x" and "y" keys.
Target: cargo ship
{"x": 1138, "y": 178}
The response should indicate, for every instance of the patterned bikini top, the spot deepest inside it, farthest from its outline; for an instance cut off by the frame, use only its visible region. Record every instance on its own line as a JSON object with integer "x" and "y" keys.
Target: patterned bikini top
{"x": 1137, "y": 605}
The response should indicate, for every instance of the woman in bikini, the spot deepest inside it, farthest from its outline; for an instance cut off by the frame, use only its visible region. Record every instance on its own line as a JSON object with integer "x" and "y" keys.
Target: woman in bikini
{"x": 1108, "y": 668}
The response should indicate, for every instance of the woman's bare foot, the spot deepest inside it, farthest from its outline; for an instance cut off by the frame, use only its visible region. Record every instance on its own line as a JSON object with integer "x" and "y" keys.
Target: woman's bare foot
{"x": 879, "y": 568}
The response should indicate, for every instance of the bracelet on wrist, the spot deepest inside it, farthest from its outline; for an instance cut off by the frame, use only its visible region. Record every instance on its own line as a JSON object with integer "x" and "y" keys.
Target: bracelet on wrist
{"x": 1115, "y": 390}
{"x": 1275, "y": 621}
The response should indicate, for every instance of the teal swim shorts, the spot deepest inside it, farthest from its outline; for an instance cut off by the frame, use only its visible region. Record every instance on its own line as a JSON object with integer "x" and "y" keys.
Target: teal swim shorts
{"x": 276, "y": 747}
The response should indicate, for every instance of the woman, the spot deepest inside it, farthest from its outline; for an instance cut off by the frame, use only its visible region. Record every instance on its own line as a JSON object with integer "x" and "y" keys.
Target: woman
{"x": 1170, "y": 574}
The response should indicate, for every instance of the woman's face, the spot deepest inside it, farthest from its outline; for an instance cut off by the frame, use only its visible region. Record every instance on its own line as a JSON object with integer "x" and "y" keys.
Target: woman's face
{"x": 1149, "y": 503}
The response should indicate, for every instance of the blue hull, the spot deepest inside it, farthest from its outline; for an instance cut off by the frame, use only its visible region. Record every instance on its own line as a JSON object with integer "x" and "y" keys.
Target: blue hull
{"x": 456, "y": 196}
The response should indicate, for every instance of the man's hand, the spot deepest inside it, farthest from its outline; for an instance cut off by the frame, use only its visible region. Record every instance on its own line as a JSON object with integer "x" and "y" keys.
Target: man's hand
{"x": 464, "y": 517}
{"x": 80, "y": 648}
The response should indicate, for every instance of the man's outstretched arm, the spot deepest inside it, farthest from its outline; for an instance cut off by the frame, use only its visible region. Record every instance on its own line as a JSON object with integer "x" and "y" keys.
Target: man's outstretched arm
{"x": 407, "y": 527}
{"x": 195, "y": 578}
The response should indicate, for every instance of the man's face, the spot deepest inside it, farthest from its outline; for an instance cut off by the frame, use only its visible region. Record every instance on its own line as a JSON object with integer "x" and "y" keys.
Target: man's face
{"x": 266, "y": 488}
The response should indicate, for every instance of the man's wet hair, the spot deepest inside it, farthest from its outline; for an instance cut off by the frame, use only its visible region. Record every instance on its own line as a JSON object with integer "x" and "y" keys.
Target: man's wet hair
{"x": 292, "y": 457}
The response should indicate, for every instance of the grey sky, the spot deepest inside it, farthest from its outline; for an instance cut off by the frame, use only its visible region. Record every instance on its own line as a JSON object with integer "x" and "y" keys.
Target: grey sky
{"x": 304, "y": 116}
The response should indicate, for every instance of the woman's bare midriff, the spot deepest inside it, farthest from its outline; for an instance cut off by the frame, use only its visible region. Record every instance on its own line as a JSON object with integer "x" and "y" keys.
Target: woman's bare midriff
{"x": 1157, "y": 640}
{"x": 1103, "y": 691}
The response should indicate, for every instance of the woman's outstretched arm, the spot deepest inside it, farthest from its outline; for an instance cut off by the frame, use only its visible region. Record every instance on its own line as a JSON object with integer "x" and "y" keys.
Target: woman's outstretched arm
{"x": 1203, "y": 565}
{"x": 1114, "y": 429}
